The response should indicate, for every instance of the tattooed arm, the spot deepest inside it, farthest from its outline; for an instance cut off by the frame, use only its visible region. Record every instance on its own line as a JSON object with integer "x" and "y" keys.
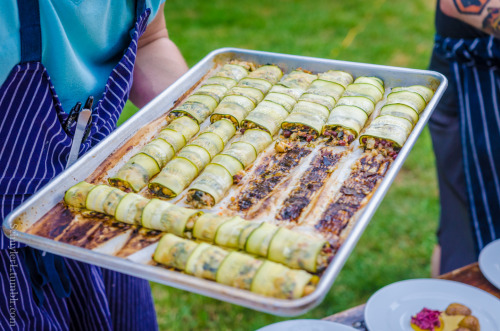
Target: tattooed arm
{"x": 481, "y": 14}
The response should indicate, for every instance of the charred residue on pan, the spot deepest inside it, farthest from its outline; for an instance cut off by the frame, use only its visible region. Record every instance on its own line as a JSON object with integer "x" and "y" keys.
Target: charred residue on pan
{"x": 309, "y": 183}
{"x": 366, "y": 174}
{"x": 53, "y": 223}
{"x": 268, "y": 175}
{"x": 139, "y": 239}
{"x": 104, "y": 232}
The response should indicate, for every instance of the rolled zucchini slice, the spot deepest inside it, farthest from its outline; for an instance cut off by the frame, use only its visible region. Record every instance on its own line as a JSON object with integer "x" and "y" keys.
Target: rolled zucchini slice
{"x": 205, "y": 261}
{"x": 259, "y": 240}
{"x": 400, "y": 110}
{"x": 229, "y": 163}
{"x": 104, "y": 199}
{"x": 233, "y": 107}
{"x": 185, "y": 125}
{"x": 136, "y": 173}
{"x": 284, "y": 100}
{"x": 210, "y": 141}
{"x": 411, "y": 99}
{"x": 337, "y": 76}
{"x": 159, "y": 150}
{"x": 198, "y": 107}
{"x": 164, "y": 216}
{"x": 174, "y": 178}
{"x": 230, "y": 233}
{"x": 311, "y": 108}
{"x": 130, "y": 208}
{"x": 297, "y": 80}
{"x": 199, "y": 156}
{"x": 173, "y": 251}
{"x": 215, "y": 91}
{"x": 257, "y": 138}
{"x": 276, "y": 280}
{"x": 76, "y": 195}
{"x": 324, "y": 100}
{"x": 223, "y": 128}
{"x": 375, "y": 81}
{"x": 251, "y": 93}
{"x": 238, "y": 270}
{"x": 364, "y": 90}
{"x": 233, "y": 71}
{"x": 174, "y": 138}
{"x": 424, "y": 91}
{"x": 266, "y": 118}
{"x": 210, "y": 187}
{"x": 392, "y": 130}
{"x": 206, "y": 226}
{"x": 256, "y": 83}
{"x": 358, "y": 101}
{"x": 292, "y": 92}
{"x": 243, "y": 152}
{"x": 271, "y": 73}
{"x": 326, "y": 88}
{"x": 298, "y": 250}
{"x": 345, "y": 123}
{"x": 224, "y": 81}
{"x": 305, "y": 126}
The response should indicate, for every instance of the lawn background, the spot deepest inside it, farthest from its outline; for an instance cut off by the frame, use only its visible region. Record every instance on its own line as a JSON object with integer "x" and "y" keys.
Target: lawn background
{"x": 398, "y": 242}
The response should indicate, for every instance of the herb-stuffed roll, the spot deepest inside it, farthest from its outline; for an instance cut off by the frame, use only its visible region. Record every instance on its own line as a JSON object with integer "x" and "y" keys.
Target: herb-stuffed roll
{"x": 104, "y": 199}
{"x": 270, "y": 73}
{"x": 387, "y": 133}
{"x": 424, "y": 91}
{"x": 173, "y": 251}
{"x": 282, "y": 99}
{"x": 136, "y": 173}
{"x": 207, "y": 224}
{"x": 130, "y": 207}
{"x": 205, "y": 261}
{"x": 336, "y": 76}
{"x": 234, "y": 233}
{"x": 172, "y": 180}
{"x": 409, "y": 98}
{"x": 233, "y": 107}
{"x": 400, "y": 110}
{"x": 210, "y": 186}
{"x": 267, "y": 116}
{"x": 242, "y": 151}
{"x": 76, "y": 195}
{"x": 259, "y": 240}
{"x": 196, "y": 106}
{"x": 367, "y": 90}
{"x": 344, "y": 124}
{"x": 164, "y": 216}
{"x": 238, "y": 270}
{"x": 299, "y": 251}
{"x": 257, "y": 138}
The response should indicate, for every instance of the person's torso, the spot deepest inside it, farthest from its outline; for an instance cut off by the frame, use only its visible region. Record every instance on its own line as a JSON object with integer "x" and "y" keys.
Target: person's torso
{"x": 450, "y": 27}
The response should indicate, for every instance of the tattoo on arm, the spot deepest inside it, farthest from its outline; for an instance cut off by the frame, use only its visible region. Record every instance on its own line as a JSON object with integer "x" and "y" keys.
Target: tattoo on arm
{"x": 470, "y": 7}
{"x": 491, "y": 22}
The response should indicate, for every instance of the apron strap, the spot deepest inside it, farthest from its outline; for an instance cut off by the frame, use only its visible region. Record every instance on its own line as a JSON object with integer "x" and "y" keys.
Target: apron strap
{"x": 140, "y": 7}
{"x": 31, "y": 35}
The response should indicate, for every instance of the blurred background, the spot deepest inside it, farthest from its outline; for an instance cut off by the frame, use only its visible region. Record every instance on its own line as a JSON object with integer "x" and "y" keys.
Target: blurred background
{"x": 398, "y": 242}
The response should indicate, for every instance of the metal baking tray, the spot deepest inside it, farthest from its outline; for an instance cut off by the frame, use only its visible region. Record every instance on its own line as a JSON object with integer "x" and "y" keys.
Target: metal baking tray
{"x": 21, "y": 219}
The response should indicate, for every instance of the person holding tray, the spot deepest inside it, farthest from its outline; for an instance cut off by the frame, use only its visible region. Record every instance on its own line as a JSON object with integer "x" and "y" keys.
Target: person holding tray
{"x": 465, "y": 128}
{"x": 76, "y": 48}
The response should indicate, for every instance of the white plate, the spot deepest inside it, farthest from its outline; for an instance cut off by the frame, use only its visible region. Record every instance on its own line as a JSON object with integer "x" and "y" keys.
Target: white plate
{"x": 391, "y": 307}
{"x": 306, "y": 325}
{"x": 489, "y": 262}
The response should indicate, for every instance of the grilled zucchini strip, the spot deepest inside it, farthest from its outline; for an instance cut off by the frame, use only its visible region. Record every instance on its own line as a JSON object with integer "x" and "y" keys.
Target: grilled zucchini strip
{"x": 164, "y": 216}
{"x": 210, "y": 187}
{"x": 400, "y": 110}
{"x": 367, "y": 90}
{"x": 205, "y": 261}
{"x": 234, "y": 233}
{"x": 196, "y": 106}
{"x": 364, "y": 103}
{"x": 242, "y": 151}
{"x": 238, "y": 270}
{"x": 409, "y": 98}
{"x": 270, "y": 73}
{"x": 344, "y": 124}
{"x": 336, "y": 76}
{"x": 76, "y": 195}
{"x": 172, "y": 180}
{"x": 424, "y": 91}
{"x": 386, "y": 132}
{"x": 231, "y": 164}
{"x": 257, "y": 138}
{"x": 130, "y": 207}
{"x": 207, "y": 224}
{"x": 104, "y": 199}
{"x": 174, "y": 252}
{"x": 136, "y": 173}
{"x": 266, "y": 116}
{"x": 233, "y": 107}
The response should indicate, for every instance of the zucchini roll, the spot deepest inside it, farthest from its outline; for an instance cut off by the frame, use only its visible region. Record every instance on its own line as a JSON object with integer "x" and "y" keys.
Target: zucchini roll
{"x": 196, "y": 106}
{"x": 213, "y": 90}
{"x": 267, "y": 116}
{"x": 230, "y": 163}
{"x": 337, "y": 76}
{"x": 257, "y": 138}
{"x": 135, "y": 174}
{"x": 400, "y": 110}
{"x": 276, "y": 280}
{"x": 408, "y": 98}
{"x": 367, "y": 90}
{"x": 130, "y": 207}
{"x": 242, "y": 151}
{"x": 387, "y": 133}
{"x": 238, "y": 270}
{"x": 76, "y": 195}
{"x": 104, "y": 199}
{"x": 326, "y": 88}
{"x": 205, "y": 261}
{"x": 270, "y": 73}
{"x": 254, "y": 94}
{"x": 364, "y": 103}
{"x": 176, "y": 176}
{"x": 344, "y": 124}
{"x": 285, "y": 100}
{"x": 297, "y": 79}
{"x": 207, "y": 224}
{"x": 210, "y": 187}
{"x": 164, "y": 216}
{"x": 233, "y": 107}
{"x": 223, "y": 81}
{"x": 424, "y": 91}
{"x": 299, "y": 251}
{"x": 174, "y": 252}
{"x": 234, "y": 71}
{"x": 235, "y": 232}
{"x": 259, "y": 240}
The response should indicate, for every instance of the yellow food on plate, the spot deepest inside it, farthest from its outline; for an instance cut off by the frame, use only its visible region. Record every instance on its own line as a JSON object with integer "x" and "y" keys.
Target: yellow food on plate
{"x": 455, "y": 317}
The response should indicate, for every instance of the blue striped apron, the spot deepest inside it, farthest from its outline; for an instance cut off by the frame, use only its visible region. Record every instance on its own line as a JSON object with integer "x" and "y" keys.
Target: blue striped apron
{"x": 34, "y": 150}
{"x": 475, "y": 67}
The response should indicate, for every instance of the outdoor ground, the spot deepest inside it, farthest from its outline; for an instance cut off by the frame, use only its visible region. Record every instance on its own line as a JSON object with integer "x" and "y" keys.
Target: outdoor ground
{"x": 398, "y": 242}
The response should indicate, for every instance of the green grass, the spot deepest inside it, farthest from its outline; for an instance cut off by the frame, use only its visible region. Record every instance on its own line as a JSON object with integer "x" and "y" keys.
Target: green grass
{"x": 398, "y": 242}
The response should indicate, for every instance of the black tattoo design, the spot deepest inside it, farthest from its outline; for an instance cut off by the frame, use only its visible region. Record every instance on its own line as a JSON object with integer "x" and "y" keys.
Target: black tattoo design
{"x": 470, "y": 7}
{"x": 491, "y": 22}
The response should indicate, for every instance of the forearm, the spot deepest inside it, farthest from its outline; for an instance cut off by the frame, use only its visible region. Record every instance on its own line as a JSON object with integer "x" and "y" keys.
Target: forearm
{"x": 483, "y": 15}
{"x": 158, "y": 65}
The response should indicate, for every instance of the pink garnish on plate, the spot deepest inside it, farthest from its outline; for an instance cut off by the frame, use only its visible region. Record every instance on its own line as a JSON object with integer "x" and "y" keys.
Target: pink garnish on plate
{"x": 427, "y": 319}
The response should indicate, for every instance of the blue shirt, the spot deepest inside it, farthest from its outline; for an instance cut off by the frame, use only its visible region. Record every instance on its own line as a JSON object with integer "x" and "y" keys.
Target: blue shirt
{"x": 82, "y": 41}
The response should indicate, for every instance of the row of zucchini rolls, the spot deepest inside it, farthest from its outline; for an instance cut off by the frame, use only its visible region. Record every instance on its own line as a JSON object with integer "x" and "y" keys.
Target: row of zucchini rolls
{"x": 238, "y": 101}
{"x": 259, "y": 127}
{"x": 184, "y": 124}
{"x": 390, "y": 129}
{"x": 288, "y": 250}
